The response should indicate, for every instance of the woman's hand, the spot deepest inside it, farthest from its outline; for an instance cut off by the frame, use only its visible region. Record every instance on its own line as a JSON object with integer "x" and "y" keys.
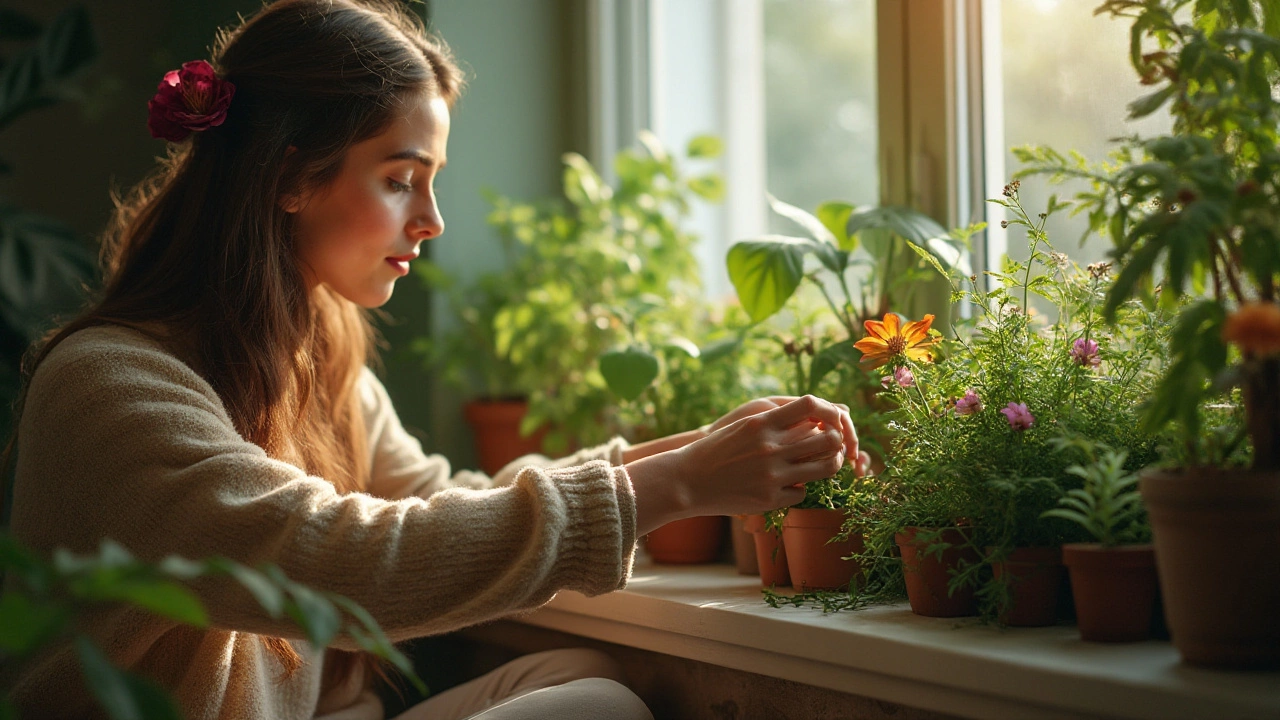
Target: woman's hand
{"x": 754, "y": 463}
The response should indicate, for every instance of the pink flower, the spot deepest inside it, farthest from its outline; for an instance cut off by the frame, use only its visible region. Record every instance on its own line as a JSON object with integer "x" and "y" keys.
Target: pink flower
{"x": 970, "y": 404}
{"x": 1020, "y": 418}
{"x": 189, "y": 100}
{"x": 904, "y": 377}
{"x": 1085, "y": 353}
{"x": 886, "y": 381}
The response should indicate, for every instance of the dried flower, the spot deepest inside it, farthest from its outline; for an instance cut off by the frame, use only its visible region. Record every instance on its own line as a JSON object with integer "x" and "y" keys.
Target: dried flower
{"x": 904, "y": 377}
{"x": 970, "y": 404}
{"x": 1059, "y": 259}
{"x": 1255, "y": 329}
{"x": 1085, "y": 353}
{"x": 1099, "y": 270}
{"x": 886, "y": 340}
{"x": 1004, "y": 223}
{"x": 189, "y": 100}
{"x": 1020, "y": 418}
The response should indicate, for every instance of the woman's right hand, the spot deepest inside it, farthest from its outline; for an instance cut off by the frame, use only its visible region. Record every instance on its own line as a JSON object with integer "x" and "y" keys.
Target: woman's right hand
{"x": 752, "y": 465}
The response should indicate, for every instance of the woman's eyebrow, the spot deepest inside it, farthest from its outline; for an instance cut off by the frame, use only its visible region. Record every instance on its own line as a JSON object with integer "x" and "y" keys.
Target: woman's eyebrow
{"x": 417, "y": 155}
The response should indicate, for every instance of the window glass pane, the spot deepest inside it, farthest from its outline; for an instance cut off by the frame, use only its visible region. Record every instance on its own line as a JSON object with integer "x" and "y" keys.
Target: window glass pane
{"x": 820, "y": 103}
{"x": 1067, "y": 81}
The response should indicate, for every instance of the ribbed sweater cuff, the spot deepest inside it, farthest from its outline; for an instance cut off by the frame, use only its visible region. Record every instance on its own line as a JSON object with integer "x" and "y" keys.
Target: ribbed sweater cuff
{"x": 597, "y": 547}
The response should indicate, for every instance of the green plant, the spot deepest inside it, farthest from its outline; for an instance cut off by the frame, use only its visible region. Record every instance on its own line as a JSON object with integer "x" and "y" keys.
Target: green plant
{"x": 537, "y": 327}
{"x": 976, "y": 428}
{"x": 43, "y": 264}
{"x": 1195, "y": 217}
{"x": 1108, "y": 506}
{"x": 43, "y": 600}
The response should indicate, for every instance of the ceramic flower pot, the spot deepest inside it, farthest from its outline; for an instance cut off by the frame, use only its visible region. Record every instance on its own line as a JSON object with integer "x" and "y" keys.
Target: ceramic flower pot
{"x": 1114, "y": 590}
{"x": 928, "y": 576}
{"x": 1035, "y": 575}
{"x": 744, "y": 547}
{"x": 496, "y": 427}
{"x": 771, "y": 554}
{"x": 1217, "y": 542}
{"x": 687, "y": 542}
{"x": 815, "y": 562}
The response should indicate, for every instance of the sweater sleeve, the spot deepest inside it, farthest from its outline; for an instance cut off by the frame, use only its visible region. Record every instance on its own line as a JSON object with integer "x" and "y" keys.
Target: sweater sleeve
{"x": 120, "y": 439}
{"x": 401, "y": 469}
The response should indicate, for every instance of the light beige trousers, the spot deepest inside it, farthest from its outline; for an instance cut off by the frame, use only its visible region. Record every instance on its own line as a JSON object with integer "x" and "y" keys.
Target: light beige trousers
{"x": 568, "y": 684}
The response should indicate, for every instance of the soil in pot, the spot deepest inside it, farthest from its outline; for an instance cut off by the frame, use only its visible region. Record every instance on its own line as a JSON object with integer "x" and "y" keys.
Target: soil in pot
{"x": 771, "y": 554}
{"x": 815, "y": 562}
{"x": 744, "y": 547}
{"x": 928, "y": 576}
{"x": 496, "y": 427}
{"x": 687, "y": 542}
{"x": 1114, "y": 590}
{"x": 1217, "y": 540}
{"x": 1034, "y": 574}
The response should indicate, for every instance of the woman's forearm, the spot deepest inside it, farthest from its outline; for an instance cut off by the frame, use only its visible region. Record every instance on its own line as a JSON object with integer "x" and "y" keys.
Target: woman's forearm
{"x": 661, "y": 445}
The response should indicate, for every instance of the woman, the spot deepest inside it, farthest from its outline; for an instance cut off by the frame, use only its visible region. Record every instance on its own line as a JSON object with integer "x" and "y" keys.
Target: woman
{"x": 214, "y": 401}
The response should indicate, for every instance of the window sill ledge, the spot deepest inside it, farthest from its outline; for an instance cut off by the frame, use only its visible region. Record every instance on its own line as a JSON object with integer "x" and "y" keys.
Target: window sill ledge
{"x": 710, "y": 614}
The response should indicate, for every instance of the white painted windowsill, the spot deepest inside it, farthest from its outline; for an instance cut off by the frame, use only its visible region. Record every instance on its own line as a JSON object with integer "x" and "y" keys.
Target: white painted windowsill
{"x": 711, "y": 614}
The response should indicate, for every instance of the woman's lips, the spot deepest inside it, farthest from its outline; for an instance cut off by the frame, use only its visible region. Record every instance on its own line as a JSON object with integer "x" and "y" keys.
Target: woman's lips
{"x": 401, "y": 264}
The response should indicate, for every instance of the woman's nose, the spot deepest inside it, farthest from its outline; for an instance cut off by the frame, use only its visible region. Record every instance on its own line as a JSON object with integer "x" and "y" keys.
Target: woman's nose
{"x": 427, "y": 224}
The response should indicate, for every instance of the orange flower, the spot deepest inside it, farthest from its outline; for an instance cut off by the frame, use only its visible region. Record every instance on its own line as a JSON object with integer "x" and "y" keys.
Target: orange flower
{"x": 1254, "y": 328}
{"x": 885, "y": 341}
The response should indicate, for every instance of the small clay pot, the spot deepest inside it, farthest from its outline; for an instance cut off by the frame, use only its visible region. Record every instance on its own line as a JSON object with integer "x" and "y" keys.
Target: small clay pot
{"x": 690, "y": 541}
{"x": 771, "y": 554}
{"x": 816, "y": 562}
{"x": 496, "y": 427}
{"x": 1114, "y": 590}
{"x": 928, "y": 577}
{"x": 744, "y": 548}
{"x": 1035, "y": 575}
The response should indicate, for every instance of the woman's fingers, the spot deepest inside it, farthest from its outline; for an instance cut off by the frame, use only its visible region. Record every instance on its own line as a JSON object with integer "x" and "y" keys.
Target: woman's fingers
{"x": 806, "y": 408}
{"x": 823, "y": 444}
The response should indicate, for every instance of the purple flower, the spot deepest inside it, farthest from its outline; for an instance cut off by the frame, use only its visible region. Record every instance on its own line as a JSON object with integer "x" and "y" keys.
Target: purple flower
{"x": 1085, "y": 353}
{"x": 886, "y": 381}
{"x": 970, "y": 404}
{"x": 1020, "y": 418}
{"x": 188, "y": 100}
{"x": 904, "y": 377}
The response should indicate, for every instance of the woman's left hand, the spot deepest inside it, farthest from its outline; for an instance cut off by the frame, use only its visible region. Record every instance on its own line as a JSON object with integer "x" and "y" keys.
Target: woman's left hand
{"x": 759, "y": 405}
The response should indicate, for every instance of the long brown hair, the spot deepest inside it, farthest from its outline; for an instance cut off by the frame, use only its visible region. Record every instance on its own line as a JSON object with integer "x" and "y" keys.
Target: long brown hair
{"x": 201, "y": 254}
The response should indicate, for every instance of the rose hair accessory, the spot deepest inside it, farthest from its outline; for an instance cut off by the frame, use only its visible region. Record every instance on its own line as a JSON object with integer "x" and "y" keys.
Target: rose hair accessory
{"x": 192, "y": 99}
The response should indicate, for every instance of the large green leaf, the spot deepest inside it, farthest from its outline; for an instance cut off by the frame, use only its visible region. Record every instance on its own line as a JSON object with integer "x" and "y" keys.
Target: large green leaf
{"x": 835, "y": 217}
{"x": 629, "y": 371}
{"x": 903, "y": 221}
{"x": 825, "y": 246}
{"x": 766, "y": 272}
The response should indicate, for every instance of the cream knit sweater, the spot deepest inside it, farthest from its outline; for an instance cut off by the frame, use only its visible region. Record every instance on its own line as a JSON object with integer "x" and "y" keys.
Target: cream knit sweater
{"x": 122, "y": 440}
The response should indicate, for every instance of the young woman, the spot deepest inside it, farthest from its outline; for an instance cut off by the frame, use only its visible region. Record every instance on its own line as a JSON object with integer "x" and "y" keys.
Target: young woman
{"x": 214, "y": 401}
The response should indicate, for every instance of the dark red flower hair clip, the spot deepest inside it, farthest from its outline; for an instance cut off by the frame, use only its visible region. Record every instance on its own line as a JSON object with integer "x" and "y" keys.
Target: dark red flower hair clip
{"x": 189, "y": 100}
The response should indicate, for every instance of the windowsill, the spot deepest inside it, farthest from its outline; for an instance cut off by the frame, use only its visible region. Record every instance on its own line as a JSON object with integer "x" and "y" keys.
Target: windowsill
{"x": 711, "y": 614}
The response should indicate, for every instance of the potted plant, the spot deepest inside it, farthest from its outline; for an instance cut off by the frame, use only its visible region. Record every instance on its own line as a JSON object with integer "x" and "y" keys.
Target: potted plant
{"x": 822, "y": 554}
{"x": 1113, "y": 579}
{"x": 1197, "y": 210}
{"x": 530, "y": 333}
{"x": 977, "y": 415}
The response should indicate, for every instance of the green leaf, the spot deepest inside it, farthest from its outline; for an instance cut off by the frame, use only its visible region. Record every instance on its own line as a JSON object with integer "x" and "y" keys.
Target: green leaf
{"x": 629, "y": 372}
{"x": 903, "y": 221}
{"x": 705, "y": 146}
{"x": 106, "y": 682}
{"x": 811, "y": 224}
{"x": 708, "y": 187}
{"x": 684, "y": 345}
{"x": 317, "y": 617}
{"x": 835, "y": 217}
{"x": 582, "y": 185}
{"x": 1148, "y": 104}
{"x": 829, "y": 358}
{"x": 167, "y": 599}
{"x": 24, "y": 625}
{"x": 33, "y": 77}
{"x": 269, "y": 595}
{"x": 720, "y": 349}
{"x": 766, "y": 272}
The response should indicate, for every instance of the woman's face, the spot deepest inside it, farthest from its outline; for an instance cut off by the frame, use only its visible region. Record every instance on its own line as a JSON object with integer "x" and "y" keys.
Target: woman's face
{"x": 358, "y": 233}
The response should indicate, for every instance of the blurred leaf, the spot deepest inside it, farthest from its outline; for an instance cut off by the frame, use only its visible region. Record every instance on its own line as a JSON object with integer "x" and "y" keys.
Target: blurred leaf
{"x": 1148, "y": 104}
{"x": 372, "y": 639}
{"x": 835, "y": 217}
{"x": 25, "y": 624}
{"x": 829, "y": 358}
{"x": 815, "y": 227}
{"x": 34, "y": 77}
{"x": 684, "y": 345}
{"x": 269, "y": 595}
{"x": 629, "y": 372}
{"x": 708, "y": 187}
{"x": 163, "y": 598}
{"x": 106, "y": 682}
{"x": 317, "y": 617}
{"x": 766, "y": 272}
{"x": 582, "y": 186}
{"x": 905, "y": 222}
{"x": 720, "y": 349}
{"x": 705, "y": 146}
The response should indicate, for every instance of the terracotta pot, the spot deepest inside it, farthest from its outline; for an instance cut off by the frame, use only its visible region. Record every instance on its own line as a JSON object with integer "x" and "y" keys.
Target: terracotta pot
{"x": 771, "y": 554}
{"x": 744, "y": 548}
{"x": 928, "y": 577}
{"x": 687, "y": 542}
{"x": 496, "y": 427}
{"x": 1035, "y": 576}
{"x": 816, "y": 563}
{"x": 1114, "y": 590}
{"x": 1217, "y": 539}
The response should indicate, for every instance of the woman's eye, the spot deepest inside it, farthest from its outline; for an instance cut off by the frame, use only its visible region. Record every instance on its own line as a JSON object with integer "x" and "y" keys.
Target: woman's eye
{"x": 399, "y": 186}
